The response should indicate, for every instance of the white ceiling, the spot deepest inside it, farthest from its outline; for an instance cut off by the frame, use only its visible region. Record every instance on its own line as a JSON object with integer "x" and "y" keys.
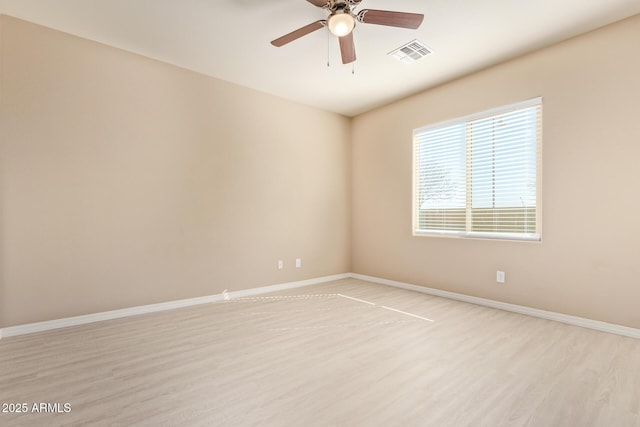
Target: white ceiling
{"x": 229, "y": 39}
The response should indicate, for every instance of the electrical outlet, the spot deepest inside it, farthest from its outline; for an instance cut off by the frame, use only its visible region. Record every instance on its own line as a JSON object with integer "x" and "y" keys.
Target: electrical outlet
{"x": 280, "y": 264}
{"x": 500, "y": 276}
{"x": 298, "y": 262}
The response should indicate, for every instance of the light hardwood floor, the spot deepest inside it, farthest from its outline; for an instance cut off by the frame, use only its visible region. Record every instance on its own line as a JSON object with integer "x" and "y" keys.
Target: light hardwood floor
{"x": 315, "y": 356}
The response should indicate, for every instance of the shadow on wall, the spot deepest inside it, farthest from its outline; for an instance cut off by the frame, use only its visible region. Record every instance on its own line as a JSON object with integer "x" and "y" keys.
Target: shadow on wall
{"x": 2, "y": 234}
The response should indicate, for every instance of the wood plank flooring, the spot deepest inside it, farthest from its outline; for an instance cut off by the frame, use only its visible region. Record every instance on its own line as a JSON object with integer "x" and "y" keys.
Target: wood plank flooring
{"x": 345, "y": 353}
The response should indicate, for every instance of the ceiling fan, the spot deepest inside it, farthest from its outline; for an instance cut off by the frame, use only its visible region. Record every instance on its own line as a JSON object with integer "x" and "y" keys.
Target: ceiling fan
{"x": 342, "y": 20}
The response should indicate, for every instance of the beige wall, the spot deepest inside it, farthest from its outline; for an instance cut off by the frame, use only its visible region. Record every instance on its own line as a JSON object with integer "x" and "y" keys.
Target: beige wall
{"x": 2, "y": 138}
{"x": 589, "y": 261}
{"x": 127, "y": 181}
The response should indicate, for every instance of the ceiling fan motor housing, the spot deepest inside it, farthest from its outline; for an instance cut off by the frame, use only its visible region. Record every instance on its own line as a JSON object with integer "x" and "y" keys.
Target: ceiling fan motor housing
{"x": 339, "y": 7}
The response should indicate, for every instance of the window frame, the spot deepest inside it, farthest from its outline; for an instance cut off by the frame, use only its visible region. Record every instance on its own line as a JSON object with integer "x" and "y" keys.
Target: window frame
{"x": 468, "y": 234}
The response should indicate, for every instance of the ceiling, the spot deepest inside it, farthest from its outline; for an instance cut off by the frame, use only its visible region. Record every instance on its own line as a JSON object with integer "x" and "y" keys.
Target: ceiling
{"x": 229, "y": 39}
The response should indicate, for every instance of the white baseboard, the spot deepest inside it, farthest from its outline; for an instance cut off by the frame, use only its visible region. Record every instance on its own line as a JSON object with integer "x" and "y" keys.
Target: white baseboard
{"x": 132, "y": 311}
{"x": 550, "y": 315}
{"x": 30, "y": 328}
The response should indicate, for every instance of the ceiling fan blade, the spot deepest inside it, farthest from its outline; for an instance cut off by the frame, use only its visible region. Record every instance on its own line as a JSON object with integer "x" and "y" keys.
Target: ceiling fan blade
{"x": 294, "y": 35}
{"x": 392, "y": 19}
{"x": 347, "y": 48}
{"x": 319, "y": 3}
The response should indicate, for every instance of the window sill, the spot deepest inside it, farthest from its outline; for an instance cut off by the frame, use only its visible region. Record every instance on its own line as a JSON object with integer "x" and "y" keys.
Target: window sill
{"x": 510, "y": 237}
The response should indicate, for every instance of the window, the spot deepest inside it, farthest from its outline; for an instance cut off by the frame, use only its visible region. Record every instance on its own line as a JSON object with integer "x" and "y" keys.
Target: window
{"x": 479, "y": 176}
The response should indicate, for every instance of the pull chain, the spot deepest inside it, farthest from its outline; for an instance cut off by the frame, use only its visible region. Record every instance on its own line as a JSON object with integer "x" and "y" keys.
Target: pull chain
{"x": 328, "y": 49}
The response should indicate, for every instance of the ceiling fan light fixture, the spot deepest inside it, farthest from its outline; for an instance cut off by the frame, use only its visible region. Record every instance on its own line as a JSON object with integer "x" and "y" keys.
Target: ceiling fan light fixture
{"x": 341, "y": 23}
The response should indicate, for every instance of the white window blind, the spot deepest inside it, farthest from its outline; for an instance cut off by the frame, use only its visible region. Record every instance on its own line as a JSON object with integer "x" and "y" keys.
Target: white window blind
{"x": 479, "y": 176}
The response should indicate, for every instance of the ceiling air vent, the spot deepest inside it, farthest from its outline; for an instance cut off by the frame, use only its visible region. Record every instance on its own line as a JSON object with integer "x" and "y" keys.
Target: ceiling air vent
{"x": 410, "y": 52}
